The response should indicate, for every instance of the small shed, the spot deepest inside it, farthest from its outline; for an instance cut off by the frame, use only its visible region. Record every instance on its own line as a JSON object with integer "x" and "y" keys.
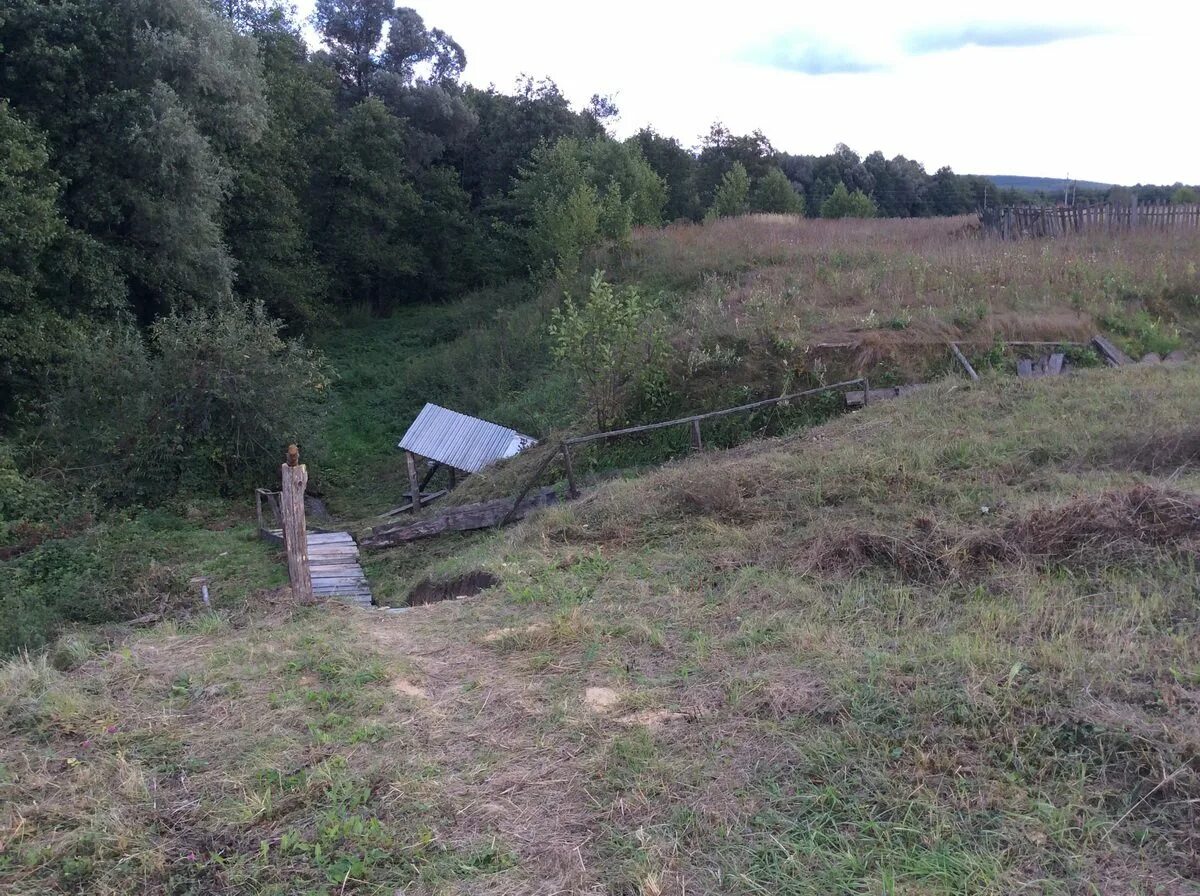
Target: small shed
{"x": 446, "y": 438}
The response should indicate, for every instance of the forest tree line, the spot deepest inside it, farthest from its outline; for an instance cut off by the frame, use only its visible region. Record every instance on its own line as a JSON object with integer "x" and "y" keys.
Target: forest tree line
{"x": 162, "y": 156}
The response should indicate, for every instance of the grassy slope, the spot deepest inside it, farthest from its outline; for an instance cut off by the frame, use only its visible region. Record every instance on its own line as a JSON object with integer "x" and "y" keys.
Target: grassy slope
{"x": 826, "y": 670}
{"x": 749, "y": 302}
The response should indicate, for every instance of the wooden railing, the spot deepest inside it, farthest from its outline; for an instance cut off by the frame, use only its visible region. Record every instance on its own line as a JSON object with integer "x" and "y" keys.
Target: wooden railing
{"x": 693, "y": 422}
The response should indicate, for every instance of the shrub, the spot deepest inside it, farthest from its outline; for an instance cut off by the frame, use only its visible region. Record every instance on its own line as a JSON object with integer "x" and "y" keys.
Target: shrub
{"x": 206, "y": 403}
{"x": 844, "y": 204}
{"x": 733, "y": 194}
{"x": 608, "y": 344}
{"x": 775, "y": 194}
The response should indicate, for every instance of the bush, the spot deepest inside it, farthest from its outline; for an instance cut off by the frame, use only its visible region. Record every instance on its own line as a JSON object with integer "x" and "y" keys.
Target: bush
{"x": 207, "y": 403}
{"x": 609, "y": 343}
{"x": 844, "y": 204}
{"x": 733, "y": 194}
{"x": 775, "y": 194}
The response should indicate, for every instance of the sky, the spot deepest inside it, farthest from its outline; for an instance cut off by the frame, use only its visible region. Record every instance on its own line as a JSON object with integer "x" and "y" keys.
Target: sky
{"x": 1087, "y": 90}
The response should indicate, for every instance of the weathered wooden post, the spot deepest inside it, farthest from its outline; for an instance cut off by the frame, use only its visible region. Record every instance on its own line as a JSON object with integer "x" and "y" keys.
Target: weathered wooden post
{"x": 569, "y": 464}
{"x": 697, "y": 442}
{"x": 414, "y": 484}
{"x": 295, "y": 536}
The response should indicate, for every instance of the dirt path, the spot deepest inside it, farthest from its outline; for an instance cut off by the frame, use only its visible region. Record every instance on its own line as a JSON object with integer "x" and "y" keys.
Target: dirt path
{"x": 483, "y": 718}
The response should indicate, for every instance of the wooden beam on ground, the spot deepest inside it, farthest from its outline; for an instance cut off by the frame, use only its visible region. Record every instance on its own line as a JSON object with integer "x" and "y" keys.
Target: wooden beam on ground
{"x": 1112, "y": 355}
{"x": 425, "y": 499}
{"x": 711, "y": 415}
{"x": 962, "y": 359}
{"x": 459, "y": 519}
{"x": 859, "y": 398}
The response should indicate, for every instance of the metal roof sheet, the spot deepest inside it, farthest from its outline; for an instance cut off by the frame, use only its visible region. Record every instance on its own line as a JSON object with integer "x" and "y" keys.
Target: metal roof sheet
{"x": 465, "y": 443}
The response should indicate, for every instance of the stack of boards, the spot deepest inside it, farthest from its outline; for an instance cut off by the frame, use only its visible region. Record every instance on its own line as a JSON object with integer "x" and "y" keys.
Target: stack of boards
{"x": 333, "y": 564}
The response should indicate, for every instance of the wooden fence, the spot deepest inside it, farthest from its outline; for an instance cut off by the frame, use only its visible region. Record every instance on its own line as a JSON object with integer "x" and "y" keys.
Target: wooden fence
{"x": 1012, "y": 222}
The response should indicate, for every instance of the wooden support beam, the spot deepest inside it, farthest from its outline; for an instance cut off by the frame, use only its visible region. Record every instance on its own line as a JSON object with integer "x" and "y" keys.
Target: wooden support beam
{"x": 697, "y": 442}
{"x": 962, "y": 359}
{"x": 572, "y": 486}
{"x": 295, "y": 537}
{"x": 433, "y": 468}
{"x": 413, "y": 483}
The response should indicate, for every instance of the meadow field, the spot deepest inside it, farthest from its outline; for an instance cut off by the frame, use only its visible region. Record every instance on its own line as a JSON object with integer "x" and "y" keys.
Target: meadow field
{"x": 945, "y": 644}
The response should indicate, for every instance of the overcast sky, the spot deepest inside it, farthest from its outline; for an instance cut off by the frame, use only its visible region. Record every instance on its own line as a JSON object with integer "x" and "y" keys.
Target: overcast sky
{"x": 1090, "y": 90}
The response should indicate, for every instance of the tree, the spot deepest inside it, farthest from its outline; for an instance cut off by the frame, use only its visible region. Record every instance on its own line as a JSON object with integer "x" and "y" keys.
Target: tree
{"x": 202, "y": 404}
{"x": 774, "y": 193}
{"x": 353, "y": 30}
{"x": 575, "y": 193}
{"x": 733, "y": 194}
{"x": 844, "y": 204}
{"x": 163, "y": 93}
{"x": 608, "y": 344}
{"x": 368, "y": 210}
{"x": 1184, "y": 195}
{"x": 268, "y": 210}
{"x": 677, "y": 168}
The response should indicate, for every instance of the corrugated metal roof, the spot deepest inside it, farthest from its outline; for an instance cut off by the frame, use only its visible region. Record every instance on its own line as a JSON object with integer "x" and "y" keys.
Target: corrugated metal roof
{"x": 465, "y": 443}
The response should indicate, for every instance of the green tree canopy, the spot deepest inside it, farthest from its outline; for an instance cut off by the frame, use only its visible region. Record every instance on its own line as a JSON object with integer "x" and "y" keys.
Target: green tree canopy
{"x": 774, "y": 193}
{"x": 733, "y": 193}
{"x": 844, "y": 204}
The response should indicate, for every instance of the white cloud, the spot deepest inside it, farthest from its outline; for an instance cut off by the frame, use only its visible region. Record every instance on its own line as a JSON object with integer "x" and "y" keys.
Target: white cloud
{"x": 1111, "y": 107}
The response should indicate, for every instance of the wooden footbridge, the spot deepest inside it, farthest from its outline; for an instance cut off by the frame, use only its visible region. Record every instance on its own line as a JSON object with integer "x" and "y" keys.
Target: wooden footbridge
{"x": 332, "y": 557}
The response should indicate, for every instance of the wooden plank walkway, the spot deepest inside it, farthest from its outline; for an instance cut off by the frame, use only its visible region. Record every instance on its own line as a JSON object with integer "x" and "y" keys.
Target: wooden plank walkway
{"x": 333, "y": 563}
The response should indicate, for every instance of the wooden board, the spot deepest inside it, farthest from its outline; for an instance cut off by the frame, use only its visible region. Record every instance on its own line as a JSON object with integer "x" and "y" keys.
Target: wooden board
{"x": 855, "y": 399}
{"x": 1112, "y": 355}
{"x": 457, "y": 519}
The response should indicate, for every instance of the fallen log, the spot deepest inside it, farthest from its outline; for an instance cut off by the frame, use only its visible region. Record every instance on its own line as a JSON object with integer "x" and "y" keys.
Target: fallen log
{"x": 458, "y": 519}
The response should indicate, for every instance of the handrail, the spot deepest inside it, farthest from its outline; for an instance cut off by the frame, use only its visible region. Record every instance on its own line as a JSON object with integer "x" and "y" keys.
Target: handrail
{"x": 694, "y": 421}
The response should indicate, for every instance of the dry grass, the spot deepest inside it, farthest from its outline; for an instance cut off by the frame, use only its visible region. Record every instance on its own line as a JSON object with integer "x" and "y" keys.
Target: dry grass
{"x": 835, "y": 295}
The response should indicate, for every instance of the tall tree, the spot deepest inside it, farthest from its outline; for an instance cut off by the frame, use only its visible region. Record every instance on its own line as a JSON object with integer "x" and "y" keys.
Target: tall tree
{"x": 368, "y": 210}
{"x": 162, "y": 94}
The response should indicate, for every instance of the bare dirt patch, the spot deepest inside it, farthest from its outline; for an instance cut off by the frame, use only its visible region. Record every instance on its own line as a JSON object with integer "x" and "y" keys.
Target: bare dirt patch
{"x": 601, "y": 699}
{"x": 406, "y": 688}
{"x": 431, "y": 592}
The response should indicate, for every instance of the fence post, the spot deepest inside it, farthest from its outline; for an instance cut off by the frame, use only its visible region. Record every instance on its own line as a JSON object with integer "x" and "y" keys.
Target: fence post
{"x": 295, "y": 537}
{"x": 572, "y": 488}
{"x": 697, "y": 442}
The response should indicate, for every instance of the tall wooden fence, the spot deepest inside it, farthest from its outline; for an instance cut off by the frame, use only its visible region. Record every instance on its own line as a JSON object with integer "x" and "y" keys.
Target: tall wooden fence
{"x": 1013, "y": 222}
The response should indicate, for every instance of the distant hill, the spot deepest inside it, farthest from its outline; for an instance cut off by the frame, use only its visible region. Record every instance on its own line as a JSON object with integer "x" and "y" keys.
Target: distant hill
{"x": 1043, "y": 184}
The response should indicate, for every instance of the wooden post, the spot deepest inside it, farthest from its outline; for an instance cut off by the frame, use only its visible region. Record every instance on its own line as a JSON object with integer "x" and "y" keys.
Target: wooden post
{"x": 295, "y": 536}
{"x": 962, "y": 359}
{"x": 697, "y": 442}
{"x": 414, "y": 484}
{"x": 572, "y": 487}
{"x": 866, "y": 391}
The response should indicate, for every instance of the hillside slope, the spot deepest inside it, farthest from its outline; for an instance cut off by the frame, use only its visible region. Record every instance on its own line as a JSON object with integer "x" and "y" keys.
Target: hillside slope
{"x": 944, "y": 645}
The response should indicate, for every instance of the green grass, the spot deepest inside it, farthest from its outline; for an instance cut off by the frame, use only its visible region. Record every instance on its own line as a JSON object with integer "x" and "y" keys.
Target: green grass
{"x": 819, "y": 686}
{"x": 943, "y": 645}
